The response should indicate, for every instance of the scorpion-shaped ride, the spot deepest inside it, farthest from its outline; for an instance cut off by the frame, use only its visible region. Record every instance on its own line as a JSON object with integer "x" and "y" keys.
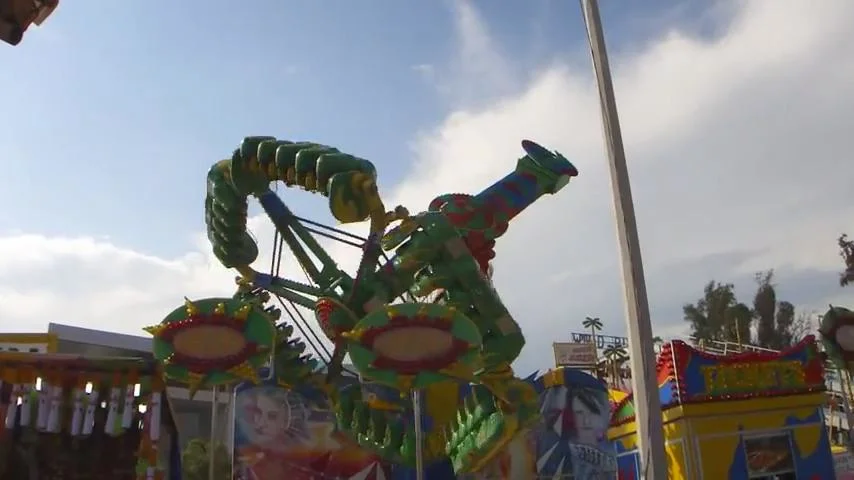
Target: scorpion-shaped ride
{"x": 462, "y": 336}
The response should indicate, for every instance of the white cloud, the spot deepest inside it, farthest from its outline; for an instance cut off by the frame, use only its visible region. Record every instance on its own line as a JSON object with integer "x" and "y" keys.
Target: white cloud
{"x": 738, "y": 151}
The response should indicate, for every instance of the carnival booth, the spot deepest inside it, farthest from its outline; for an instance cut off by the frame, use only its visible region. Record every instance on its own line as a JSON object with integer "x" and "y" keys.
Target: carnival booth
{"x": 70, "y": 417}
{"x": 744, "y": 416}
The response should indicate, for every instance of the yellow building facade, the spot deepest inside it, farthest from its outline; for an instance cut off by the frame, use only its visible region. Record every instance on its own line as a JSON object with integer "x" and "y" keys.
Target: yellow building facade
{"x": 28, "y": 342}
{"x": 739, "y": 417}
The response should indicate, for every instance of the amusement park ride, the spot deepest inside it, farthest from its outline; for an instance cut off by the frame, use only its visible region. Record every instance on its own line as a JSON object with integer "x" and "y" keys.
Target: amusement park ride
{"x": 16, "y": 16}
{"x": 464, "y": 335}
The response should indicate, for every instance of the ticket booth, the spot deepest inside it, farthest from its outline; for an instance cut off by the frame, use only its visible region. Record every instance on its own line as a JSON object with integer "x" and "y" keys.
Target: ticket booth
{"x": 744, "y": 416}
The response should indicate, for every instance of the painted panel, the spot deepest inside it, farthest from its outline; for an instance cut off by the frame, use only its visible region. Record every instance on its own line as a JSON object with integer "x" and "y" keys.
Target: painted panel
{"x": 629, "y": 466}
{"x": 716, "y": 455}
{"x": 677, "y": 460}
{"x": 754, "y": 421}
{"x": 703, "y": 376}
{"x": 678, "y": 453}
{"x": 279, "y": 434}
{"x": 570, "y": 440}
{"x": 721, "y": 444}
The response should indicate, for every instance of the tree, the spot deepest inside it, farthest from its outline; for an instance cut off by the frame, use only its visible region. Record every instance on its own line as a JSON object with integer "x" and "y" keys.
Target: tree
{"x": 195, "y": 461}
{"x": 846, "y": 251}
{"x": 764, "y": 309}
{"x": 801, "y": 327}
{"x": 738, "y": 320}
{"x": 784, "y": 320}
{"x": 616, "y": 357}
{"x": 777, "y": 323}
{"x": 717, "y": 315}
{"x": 594, "y": 325}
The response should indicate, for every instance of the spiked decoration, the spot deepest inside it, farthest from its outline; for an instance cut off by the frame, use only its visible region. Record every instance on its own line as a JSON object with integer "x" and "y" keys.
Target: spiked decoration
{"x": 333, "y": 317}
{"x": 214, "y": 341}
{"x": 413, "y": 345}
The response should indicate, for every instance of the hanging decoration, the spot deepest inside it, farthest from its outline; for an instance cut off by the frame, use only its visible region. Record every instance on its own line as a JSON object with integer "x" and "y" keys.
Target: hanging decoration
{"x": 73, "y": 417}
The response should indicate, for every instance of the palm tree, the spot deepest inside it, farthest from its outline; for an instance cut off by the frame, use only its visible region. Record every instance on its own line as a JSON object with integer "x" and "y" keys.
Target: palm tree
{"x": 594, "y": 325}
{"x": 616, "y": 357}
{"x": 846, "y": 251}
{"x": 622, "y": 358}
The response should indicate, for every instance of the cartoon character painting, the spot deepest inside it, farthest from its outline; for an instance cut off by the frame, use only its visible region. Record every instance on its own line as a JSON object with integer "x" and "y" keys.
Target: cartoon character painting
{"x": 570, "y": 441}
{"x": 279, "y": 435}
{"x": 573, "y": 437}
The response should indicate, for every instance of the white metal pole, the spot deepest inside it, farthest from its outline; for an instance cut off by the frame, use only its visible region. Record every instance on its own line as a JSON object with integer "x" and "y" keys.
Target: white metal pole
{"x": 419, "y": 435}
{"x": 649, "y": 428}
{"x": 213, "y": 438}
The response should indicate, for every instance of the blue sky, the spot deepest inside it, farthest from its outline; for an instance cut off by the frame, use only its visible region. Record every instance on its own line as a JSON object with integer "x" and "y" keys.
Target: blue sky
{"x": 120, "y": 107}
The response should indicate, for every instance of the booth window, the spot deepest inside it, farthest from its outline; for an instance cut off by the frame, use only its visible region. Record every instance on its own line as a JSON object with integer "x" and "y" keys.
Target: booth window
{"x": 769, "y": 457}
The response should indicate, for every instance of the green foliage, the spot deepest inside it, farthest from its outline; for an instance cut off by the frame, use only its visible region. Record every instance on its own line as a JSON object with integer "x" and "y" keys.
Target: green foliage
{"x": 738, "y": 319}
{"x": 615, "y": 358}
{"x": 764, "y": 309}
{"x": 785, "y": 321}
{"x": 592, "y": 323}
{"x": 718, "y": 315}
{"x": 195, "y": 461}
{"x": 846, "y": 251}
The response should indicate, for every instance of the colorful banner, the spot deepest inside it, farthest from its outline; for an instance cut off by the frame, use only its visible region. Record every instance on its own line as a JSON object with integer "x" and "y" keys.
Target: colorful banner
{"x": 703, "y": 376}
{"x": 279, "y": 434}
{"x": 571, "y": 438}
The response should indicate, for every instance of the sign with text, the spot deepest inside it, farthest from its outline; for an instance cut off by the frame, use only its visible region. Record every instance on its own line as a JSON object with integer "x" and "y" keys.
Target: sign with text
{"x": 602, "y": 341}
{"x": 574, "y": 354}
{"x": 730, "y": 378}
{"x": 704, "y": 375}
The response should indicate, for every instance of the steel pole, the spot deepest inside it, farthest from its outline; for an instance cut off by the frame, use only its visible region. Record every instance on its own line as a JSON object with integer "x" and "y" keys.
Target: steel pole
{"x": 649, "y": 428}
{"x": 213, "y": 437}
{"x": 419, "y": 435}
